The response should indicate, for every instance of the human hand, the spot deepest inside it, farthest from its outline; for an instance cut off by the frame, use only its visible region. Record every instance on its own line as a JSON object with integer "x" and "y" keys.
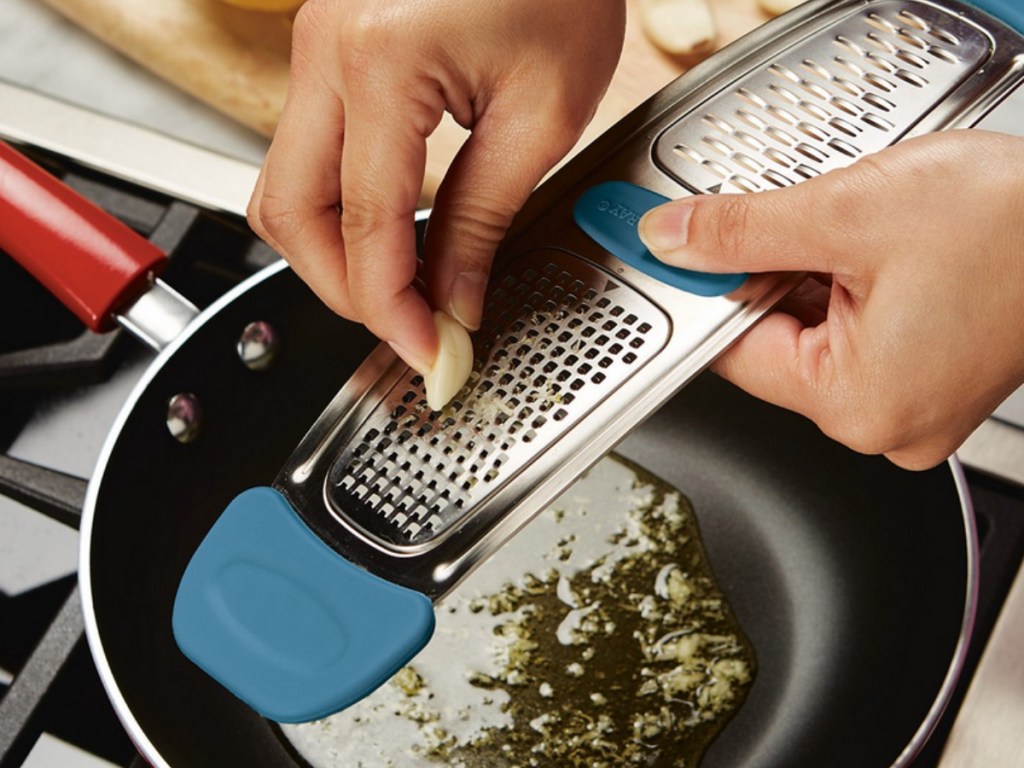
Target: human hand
{"x": 370, "y": 80}
{"x": 909, "y": 331}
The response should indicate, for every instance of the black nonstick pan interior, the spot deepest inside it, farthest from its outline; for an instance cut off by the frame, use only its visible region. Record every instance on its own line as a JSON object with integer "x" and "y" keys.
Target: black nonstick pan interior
{"x": 849, "y": 575}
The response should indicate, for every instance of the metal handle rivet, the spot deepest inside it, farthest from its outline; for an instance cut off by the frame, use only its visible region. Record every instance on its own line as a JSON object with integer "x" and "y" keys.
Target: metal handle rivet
{"x": 184, "y": 417}
{"x": 257, "y": 346}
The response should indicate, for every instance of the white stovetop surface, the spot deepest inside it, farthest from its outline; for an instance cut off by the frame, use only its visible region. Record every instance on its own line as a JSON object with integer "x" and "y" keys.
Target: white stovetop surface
{"x": 39, "y": 49}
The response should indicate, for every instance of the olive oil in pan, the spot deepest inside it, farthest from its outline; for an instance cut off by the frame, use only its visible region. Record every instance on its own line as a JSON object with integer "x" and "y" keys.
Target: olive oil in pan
{"x": 596, "y": 637}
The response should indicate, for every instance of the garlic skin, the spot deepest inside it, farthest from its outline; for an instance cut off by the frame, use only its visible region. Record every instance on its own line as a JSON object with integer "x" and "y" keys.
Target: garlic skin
{"x": 453, "y": 364}
{"x": 682, "y": 28}
{"x": 777, "y": 7}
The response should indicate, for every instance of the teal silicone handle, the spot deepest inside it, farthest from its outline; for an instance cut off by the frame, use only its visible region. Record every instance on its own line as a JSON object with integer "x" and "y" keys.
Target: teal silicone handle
{"x": 286, "y": 624}
{"x": 609, "y": 213}
{"x": 1010, "y": 12}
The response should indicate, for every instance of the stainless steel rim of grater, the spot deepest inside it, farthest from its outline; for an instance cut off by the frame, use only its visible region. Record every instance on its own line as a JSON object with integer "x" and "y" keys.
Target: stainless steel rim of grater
{"x": 576, "y": 347}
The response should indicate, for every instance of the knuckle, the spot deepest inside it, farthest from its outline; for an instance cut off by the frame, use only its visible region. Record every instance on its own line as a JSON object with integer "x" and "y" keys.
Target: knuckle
{"x": 853, "y": 197}
{"x": 361, "y": 215}
{"x": 480, "y": 225}
{"x": 724, "y": 224}
{"x": 358, "y": 38}
{"x": 309, "y": 24}
{"x": 342, "y": 305}
{"x": 918, "y": 458}
{"x": 252, "y": 216}
{"x": 937, "y": 444}
{"x": 866, "y": 430}
{"x": 276, "y": 216}
{"x": 368, "y": 34}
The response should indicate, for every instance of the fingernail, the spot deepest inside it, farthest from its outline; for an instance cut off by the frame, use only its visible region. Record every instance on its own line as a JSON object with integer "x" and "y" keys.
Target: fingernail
{"x": 666, "y": 228}
{"x": 466, "y": 298}
{"x": 415, "y": 362}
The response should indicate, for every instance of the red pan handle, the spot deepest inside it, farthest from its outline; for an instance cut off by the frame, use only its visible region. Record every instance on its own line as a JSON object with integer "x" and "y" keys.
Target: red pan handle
{"x": 88, "y": 259}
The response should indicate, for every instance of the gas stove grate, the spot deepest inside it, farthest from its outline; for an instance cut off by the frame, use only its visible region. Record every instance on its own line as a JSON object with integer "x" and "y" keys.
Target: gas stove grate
{"x": 45, "y": 355}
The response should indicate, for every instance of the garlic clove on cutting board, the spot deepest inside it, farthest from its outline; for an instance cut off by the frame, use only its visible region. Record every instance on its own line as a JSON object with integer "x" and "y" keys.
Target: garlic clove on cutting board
{"x": 777, "y": 7}
{"x": 453, "y": 364}
{"x": 682, "y": 28}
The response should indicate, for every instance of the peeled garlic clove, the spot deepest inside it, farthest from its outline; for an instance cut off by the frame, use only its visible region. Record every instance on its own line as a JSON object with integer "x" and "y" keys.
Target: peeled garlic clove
{"x": 454, "y": 362}
{"x": 777, "y": 7}
{"x": 680, "y": 27}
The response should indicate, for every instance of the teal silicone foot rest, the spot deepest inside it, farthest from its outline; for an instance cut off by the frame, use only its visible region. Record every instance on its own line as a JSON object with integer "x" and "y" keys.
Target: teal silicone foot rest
{"x": 285, "y": 623}
{"x": 1011, "y": 12}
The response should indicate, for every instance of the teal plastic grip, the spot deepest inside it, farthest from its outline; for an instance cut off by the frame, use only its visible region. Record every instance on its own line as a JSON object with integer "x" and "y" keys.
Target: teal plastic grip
{"x": 281, "y": 620}
{"x": 609, "y": 212}
{"x": 1010, "y": 12}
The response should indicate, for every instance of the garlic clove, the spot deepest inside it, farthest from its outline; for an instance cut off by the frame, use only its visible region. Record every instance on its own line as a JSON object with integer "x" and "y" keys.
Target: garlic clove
{"x": 777, "y": 7}
{"x": 453, "y": 364}
{"x": 683, "y": 28}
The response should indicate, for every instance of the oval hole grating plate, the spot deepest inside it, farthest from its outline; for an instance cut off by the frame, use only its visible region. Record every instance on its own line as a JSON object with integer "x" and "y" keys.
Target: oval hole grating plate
{"x": 826, "y": 101}
{"x": 558, "y": 335}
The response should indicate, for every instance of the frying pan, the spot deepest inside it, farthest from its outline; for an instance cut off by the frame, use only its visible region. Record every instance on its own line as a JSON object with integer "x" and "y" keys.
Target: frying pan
{"x": 854, "y": 580}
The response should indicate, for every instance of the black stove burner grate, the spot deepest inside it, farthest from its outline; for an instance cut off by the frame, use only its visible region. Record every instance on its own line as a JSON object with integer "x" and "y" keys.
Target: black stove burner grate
{"x": 44, "y": 350}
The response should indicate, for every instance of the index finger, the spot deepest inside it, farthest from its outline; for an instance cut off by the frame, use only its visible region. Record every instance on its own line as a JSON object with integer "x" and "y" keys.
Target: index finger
{"x": 382, "y": 172}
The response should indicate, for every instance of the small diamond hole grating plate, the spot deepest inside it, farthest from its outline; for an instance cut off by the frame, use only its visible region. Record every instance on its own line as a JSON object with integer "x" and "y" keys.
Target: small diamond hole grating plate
{"x": 828, "y": 100}
{"x": 558, "y": 335}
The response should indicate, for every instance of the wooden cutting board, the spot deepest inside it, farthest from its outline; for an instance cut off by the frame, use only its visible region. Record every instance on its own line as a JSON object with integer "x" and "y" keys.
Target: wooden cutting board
{"x": 237, "y": 60}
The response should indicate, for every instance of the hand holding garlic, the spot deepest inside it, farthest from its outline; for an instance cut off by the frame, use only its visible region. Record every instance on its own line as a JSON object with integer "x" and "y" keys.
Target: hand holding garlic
{"x": 370, "y": 80}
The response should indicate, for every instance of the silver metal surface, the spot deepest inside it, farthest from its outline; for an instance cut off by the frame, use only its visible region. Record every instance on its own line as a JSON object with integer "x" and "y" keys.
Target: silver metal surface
{"x": 158, "y": 316}
{"x": 557, "y": 336}
{"x": 352, "y": 475}
{"x": 127, "y": 151}
{"x": 826, "y": 101}
{"x": 258, "y": 345}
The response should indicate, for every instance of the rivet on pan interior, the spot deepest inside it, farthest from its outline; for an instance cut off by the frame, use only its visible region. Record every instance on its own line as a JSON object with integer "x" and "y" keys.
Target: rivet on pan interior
{"x": 184, "y": 417}
{"x": 257, "y": 346}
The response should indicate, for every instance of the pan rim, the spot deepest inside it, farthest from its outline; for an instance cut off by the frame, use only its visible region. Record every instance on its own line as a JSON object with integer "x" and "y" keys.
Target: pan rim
{"x": 136, "y": 733}
{"x": 150, "y": 752}
{"x": 959, "y": 659}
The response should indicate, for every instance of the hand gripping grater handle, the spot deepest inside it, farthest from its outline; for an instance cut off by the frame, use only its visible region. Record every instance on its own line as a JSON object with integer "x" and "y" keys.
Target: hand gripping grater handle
{"x": 584, "y": 335}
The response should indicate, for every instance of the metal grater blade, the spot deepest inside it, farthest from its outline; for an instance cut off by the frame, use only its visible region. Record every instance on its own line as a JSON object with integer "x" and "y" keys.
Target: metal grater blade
{"x": 826, "y": 101}
{"x": 558, "y": 335}
{"x": 579, "y": 344}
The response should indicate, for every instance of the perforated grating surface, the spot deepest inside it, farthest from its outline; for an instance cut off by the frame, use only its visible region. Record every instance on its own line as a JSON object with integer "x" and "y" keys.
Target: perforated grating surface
{"x": 825, "y": 102}
{"x": 558, "y": 336}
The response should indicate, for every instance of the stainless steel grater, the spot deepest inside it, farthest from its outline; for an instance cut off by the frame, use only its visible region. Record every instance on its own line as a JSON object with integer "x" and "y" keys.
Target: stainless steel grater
{"x": 584, "y": 334}
{"x": 576, "y": 347}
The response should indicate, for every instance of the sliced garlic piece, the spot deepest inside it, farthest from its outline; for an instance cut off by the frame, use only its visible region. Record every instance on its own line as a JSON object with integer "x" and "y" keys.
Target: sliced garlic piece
{"x": 680, "y": 27}
{"x": 454, "y": 362}
{"x": 777, "y": 7}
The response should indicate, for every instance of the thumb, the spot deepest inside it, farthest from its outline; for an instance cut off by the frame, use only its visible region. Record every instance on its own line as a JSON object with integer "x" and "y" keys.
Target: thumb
{"x": 797, "y": 228}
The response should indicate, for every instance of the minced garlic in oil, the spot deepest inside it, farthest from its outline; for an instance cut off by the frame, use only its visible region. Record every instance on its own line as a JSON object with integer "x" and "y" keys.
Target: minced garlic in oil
{"x": 597, "y": 637}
